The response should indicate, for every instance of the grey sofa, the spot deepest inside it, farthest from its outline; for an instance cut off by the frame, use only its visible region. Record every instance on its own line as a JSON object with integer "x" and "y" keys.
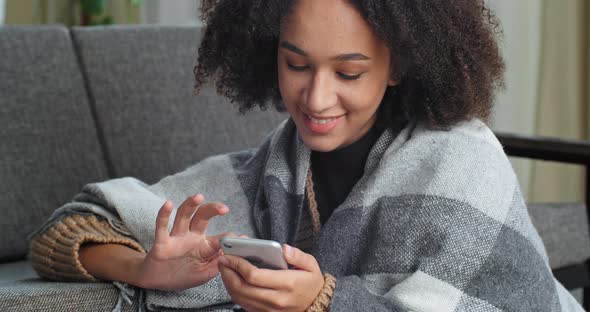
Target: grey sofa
{"x": 84, "y": 105}
{"x": 88, "y": 104}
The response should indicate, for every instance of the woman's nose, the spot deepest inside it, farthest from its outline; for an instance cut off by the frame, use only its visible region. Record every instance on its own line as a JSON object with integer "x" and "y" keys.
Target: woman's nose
{"x": 321, "y": 95}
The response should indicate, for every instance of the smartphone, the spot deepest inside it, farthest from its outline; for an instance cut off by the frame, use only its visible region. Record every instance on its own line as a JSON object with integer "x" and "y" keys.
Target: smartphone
{"x": 265, "y": 254}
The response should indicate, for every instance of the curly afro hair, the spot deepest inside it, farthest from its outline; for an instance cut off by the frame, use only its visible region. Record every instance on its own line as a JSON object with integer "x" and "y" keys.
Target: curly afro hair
{"x": 449, "y": 63}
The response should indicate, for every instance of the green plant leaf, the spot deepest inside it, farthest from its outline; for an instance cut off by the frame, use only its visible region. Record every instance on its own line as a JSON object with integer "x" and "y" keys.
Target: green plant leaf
{"x": 93, "y": 7}
{"x": 107, "y": 20}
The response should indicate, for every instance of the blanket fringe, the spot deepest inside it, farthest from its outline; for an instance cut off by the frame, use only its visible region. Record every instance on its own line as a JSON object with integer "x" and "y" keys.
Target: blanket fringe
{"x": 126, "y": 292}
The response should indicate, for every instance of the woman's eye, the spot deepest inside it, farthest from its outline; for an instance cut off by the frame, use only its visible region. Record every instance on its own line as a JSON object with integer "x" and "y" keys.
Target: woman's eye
{"x": 305, "y": 67}
{"x": 297, "y": 68}
{"x": 348, "y": 77}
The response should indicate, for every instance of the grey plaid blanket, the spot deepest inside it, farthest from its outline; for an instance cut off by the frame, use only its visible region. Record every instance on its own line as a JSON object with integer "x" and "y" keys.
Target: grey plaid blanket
{"x": 436, "y": 223}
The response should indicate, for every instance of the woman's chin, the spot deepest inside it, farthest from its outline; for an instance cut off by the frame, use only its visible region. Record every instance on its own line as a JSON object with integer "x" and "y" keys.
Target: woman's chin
{"x": 319, "y": 144}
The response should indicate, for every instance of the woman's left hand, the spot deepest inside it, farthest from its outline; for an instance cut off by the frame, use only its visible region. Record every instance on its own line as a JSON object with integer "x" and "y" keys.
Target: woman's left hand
{"x": 273, "y": 290}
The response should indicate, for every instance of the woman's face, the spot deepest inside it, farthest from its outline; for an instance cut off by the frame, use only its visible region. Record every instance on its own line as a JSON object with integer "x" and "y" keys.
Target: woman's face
{"x": 333, "y": 72}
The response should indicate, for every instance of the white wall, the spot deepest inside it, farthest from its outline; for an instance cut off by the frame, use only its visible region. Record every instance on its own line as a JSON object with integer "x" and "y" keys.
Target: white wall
{"x": 516, "y": 107}
{"x": 2, "y": 11}
{"x": 177, "y": 12}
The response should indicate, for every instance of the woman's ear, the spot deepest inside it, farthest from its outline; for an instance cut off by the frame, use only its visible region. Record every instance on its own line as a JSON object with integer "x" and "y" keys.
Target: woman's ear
{"x": 392, "y": 82}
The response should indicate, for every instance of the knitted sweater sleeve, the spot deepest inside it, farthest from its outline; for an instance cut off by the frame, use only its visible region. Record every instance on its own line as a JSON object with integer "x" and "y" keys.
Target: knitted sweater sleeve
{"x": 54, "y": 253}
{"x": 322, "y": 301}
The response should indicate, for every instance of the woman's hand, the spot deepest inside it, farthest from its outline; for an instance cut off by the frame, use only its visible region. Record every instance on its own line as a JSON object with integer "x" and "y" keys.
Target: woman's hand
{"x": 273, "y": 290}
{"x": 184, "y": 257}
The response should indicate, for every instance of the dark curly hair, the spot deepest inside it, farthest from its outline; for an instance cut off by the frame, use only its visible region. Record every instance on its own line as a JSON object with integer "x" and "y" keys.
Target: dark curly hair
{"x": 449, "y": 64}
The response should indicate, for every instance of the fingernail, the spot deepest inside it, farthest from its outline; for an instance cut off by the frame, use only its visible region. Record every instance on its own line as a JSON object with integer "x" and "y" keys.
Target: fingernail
{"x": 289, "y": 250}
{"x": 223, "y": 260}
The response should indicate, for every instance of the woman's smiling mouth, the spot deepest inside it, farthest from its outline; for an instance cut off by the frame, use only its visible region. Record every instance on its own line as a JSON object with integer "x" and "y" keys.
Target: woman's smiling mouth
{"x": 321, "y": 125}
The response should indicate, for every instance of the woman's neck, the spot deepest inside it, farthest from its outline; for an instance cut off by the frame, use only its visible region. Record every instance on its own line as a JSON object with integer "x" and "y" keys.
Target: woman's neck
{"x": 336, "y": 172}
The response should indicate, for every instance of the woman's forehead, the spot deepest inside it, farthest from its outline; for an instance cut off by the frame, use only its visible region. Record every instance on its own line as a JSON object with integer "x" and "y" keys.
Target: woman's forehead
{"x": 329, "y": 27}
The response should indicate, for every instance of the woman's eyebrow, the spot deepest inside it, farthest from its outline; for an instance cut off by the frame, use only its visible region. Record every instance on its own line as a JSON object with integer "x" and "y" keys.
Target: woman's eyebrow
{"x": 343, "y": 57}
{"x": 351, "y": 57}
{"x": 292, "y": 47}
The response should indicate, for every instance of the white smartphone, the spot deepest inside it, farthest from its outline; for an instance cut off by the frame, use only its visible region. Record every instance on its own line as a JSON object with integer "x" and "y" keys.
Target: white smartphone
{"x": 265, "y": 254}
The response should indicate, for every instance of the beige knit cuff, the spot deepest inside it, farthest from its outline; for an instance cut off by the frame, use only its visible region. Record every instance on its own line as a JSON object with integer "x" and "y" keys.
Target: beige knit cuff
{"x": 324, "y": 298}
{"x": 54, "y": 254}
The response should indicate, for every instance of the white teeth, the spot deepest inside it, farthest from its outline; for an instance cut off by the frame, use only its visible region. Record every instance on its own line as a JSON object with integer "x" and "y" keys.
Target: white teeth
{"x": 321, "y": 121}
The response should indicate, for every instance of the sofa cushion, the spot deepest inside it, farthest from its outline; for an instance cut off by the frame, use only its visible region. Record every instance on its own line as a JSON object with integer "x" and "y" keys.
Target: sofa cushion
{"x": 22, "y": 290}
{"x": 35, "y": 294}
{"x": 141, "y": 81}
{"x": 563, "y": 227}
{"x": 49, "y": 143}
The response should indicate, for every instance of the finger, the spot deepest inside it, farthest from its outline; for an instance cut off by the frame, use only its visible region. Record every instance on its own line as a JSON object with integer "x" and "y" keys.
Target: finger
{"x": 264, "y": 278}
{"x": 205, "y": 212}
{"x": 244, "y": 294}
{"x": 235, "y": 287}
{"x": 300, "y": 259}
{"x": 162, "y": 222}
{"x": 184, "y": 214}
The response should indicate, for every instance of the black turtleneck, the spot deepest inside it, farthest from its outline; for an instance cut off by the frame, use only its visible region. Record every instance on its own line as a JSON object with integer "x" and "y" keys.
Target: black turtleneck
{"x": 335, "y": 173}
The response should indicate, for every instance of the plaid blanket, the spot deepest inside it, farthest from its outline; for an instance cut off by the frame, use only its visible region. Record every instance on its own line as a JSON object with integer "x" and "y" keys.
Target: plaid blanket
{"x": 436, "y": 223}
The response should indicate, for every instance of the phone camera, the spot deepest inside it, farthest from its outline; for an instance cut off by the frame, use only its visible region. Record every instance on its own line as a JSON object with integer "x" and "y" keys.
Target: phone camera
{"x": 226, "y": 245}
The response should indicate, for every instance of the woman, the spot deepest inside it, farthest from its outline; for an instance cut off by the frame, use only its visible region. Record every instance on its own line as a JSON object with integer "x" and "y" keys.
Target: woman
{"x": 385, "y": 187}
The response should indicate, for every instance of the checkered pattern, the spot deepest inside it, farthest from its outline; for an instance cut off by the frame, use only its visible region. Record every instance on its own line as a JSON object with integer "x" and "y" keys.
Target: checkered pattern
{"x": 436, "y": 223}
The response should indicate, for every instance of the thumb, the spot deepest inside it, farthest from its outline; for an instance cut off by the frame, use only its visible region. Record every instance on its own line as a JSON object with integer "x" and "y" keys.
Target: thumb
{"x": 300, "y": 259}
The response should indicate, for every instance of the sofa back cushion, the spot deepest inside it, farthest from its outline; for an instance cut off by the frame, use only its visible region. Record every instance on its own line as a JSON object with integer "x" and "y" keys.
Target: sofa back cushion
{"x": 49, "y": 141}
{"x": 141, "y": 81}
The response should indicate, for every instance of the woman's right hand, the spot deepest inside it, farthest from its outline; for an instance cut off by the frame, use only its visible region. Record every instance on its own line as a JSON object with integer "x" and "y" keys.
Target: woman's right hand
{"x": 184, "y": 257}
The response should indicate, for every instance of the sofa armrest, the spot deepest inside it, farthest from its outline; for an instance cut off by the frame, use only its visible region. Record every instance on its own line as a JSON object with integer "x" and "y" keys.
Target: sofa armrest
{"x": 544, "y": 148}
{"x": 549, "y": 149}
